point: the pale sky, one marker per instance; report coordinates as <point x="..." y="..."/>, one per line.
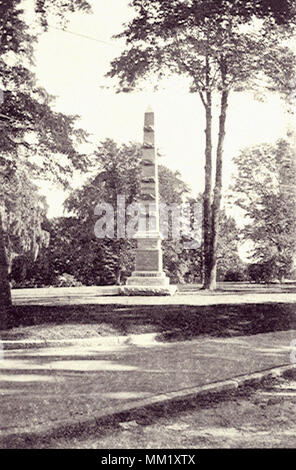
<point x="73" y="68"/>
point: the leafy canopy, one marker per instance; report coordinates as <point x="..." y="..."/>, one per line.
<point x="216" y="44"/>
<point x="264" y="187"/>
<point x="36" y="142"/>
<point x="73" y="248"/>
<point x="30" y="128"/>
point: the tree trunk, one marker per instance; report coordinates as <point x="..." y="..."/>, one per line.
<point x="207" y="197"/>
<point x="5" y="295"/>
<point x="208" y="180"/>
<point x="118" y="276"/>
<point x="215" y="209"/>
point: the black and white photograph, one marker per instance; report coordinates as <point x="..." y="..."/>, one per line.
<point x="147" y="229"/>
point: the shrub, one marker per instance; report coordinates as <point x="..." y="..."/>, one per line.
<point x="66" y="280"/>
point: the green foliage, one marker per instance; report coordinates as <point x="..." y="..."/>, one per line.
<point x="264" y="188"/>
<point x="221" y="47"/>
<point x="206" y="43"/>
<point x="31" y="128"/>
<point x="35" y="141"/>
<point x="176" y="12"/>
<point x="24" y="212"/>
<point x="263" y="272"/>
<point x="73" y="246"/>
<point x="119" y="175"/>
<point x="230" y="266"/>
<point x="67" y="280"/>
<point x="171" y="187"/>
<point x="33" y="137"/>
<point x="176" y="260"/>
<point x="74" y="249"/>
<point x="14" y="32"/>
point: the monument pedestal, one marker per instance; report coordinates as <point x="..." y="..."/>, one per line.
<point x="148" y="278"/>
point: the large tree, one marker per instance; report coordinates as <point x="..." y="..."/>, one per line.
<point x="34" y="139"/>
<point x="74" y="248"/>
<point x="264" y="188"/>
<point x="221" y="46"/>
<point x="119" y="171"/>
<point x="230" y="266"/>
<point x="24" y="212"/>
<point x="75" y="254"/>
<point x="111" y="260"/>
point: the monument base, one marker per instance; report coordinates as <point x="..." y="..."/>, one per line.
<point x="147" y="290"/>
<point x="148" y="283"/>
<point x="148" y="278"/>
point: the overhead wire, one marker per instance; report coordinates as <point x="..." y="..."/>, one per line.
<point x="85" y="36"/>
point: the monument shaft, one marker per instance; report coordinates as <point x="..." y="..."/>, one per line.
<point x="148" y="263"/>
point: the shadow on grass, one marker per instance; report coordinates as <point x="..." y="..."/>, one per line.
<point x="111" y="426"/>
<point x="240" y="288"/>
<point x="173" y="322"/>
<point x="163" y="414"/>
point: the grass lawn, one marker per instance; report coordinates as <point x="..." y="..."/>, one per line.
<point x="262" y="417"/>
<point x="250" y="418"/>
<point x="175" y="322"/>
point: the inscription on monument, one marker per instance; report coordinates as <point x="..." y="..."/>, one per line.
<point x="148" y="260"/>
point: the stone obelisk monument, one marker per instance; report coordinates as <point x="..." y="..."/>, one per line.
<point x="148" y="277"/>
